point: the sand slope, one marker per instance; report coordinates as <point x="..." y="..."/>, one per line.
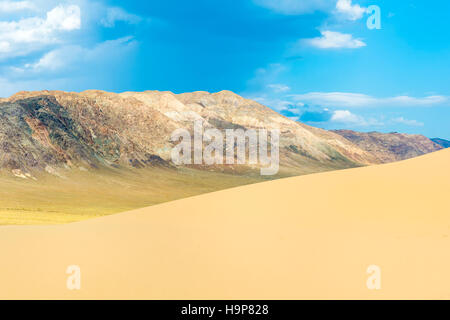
<point x="306" y="237"/>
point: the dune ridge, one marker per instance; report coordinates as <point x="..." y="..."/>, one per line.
<point x="308" y="237"/>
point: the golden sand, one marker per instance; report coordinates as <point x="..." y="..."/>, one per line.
<point x="298" y="238"/>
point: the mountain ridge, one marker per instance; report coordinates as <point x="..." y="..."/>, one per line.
<point x="57" y="130"/>
<point x="391" y="147"/>
<point x="48" y="130"/>
<point x="67" y="156"/>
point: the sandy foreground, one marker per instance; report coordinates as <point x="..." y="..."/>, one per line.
<point x="307" y="237"/>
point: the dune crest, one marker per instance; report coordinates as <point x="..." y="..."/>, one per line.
<point x="308" y="237"/>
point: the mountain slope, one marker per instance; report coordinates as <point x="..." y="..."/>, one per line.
<point x="53" y="130"/>
<point x="254" y="242"/>
<point x="228" y="110"/>
<point x="390" y="147"/>
<point x="69" y="130"/>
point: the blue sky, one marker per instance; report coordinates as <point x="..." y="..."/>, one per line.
<point x="314" y="61"/>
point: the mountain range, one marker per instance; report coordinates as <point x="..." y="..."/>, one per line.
<point x="391" y="147"/>
<point x="53" y="131"/>
<point x="70" y="156"/>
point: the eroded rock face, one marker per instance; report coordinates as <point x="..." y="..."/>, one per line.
<point x="51" y="129"/>
<point x="59" y="129"/>
<point x="390" y="147"/>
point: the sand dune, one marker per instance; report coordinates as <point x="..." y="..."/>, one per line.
<point x="305" y="237"/>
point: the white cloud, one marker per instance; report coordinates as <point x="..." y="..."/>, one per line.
<point x="335" y="40"/>
<point x="353" y="100"/>
<point x="64" y="18"/>
<point x="278" y="88"/>
<point x="5" y="46"/>
<point x="18" y="38"/>
<point x="14" y="6"/>
<point x="347" y="10"/>
<point x="116" y="14"/>
<point x="412" y="123"/>
<point x="346" y="117"/>
<point x="50" y="61"/>
<point x="294" y="7"/>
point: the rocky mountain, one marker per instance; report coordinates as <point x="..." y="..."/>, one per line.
<point x="46" y="131"/>
<point x="442" y="142"/>
<point x="67" y="156"/>
<point x="54" y="130"/>
<point x="390" y="147"/>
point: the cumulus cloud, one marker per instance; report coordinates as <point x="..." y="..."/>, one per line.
<point x="349" y="11"/>
<point x="347" y="118"/>
<point x="65" y="18"/>
<point x="51" y="44"/>
<point x="335" y="40"/>
<point x="354" y="100"/>
<point x="21" y="37"/>
<point x="53" y="26"/>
